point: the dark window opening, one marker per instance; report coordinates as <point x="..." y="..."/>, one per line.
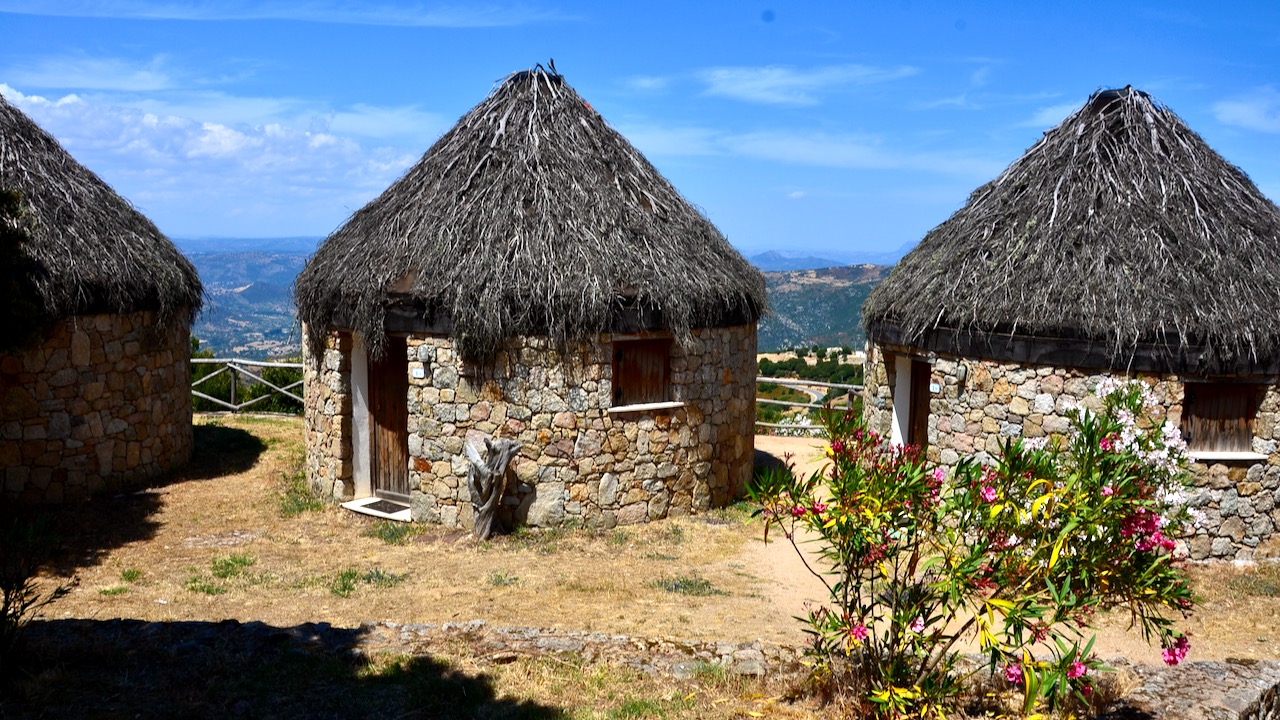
<point x="641" y="371"/>
<point x="1219" y="417"/>
<point x="918" y="425"/>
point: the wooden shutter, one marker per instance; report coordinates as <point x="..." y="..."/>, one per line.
<point x="641" y="371"/>
<point x="1219" y="417"/>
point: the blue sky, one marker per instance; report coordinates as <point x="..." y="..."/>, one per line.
<point x="836" y="128"/>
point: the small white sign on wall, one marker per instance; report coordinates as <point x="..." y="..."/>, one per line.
<point x="418" y="373"/>
<point x="935" y="387"/>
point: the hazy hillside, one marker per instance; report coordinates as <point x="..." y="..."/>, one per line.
<point x="249" y="309"/>
<point x="818" y="307"/>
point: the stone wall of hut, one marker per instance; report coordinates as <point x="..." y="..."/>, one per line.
<point x="103" y="402"/>
<point x="326" y="421"/>
<point x="995" y="401"/>
<point x="581" y="462"/>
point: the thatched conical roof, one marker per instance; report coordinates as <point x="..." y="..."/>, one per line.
<point x="85" y="249"/>
<point x="1120" y="240"/>
<point x="530" y="217"/>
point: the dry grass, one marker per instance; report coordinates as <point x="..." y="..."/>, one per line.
<point x="570" y="579"/>
<point x="218" y="544"/>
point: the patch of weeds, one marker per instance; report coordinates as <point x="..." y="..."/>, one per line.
<point x="231" y="565"/>
<point x="673" y="534"/>
<point x="131" y="575"/>
<point x="297" y="497"/>
<point x="741" y="512"/>
<point x="1262" y="582"/>
<point x="346" y="582"/>
<point x="378" y="577"/>
<point x="655" y="555"/>
<point x="394" y="532"/>
<point x="687" y="585"/>
<point x="618" y="536"/>
<point x="198" y="584"/>
<point x="637" y="708"/>
<point x="710" y="673"/>
<point x="544" y="541"/>
<point x="113" y="591"/>
<point x="501" y="578"/>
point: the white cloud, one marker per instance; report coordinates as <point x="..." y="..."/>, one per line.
<point x="1259" y="111"/>
<point x="786" y="86"/>
<point x="647" y="83"/>
<point x="1048" y="117"/>
<point x="677" y="142"/>
<point x="206" y="177"/>
<point x="849" y="151"/>
<point x="86" y="73"/>
<point x="796" y="194"/>
<point x="806" y="148"/>
<point x="346" y="12"/>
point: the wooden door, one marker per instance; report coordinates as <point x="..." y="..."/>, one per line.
<point x="918" y="428"/>
<point x="389" y="422"/>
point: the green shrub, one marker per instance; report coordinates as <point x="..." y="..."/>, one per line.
<point x="1017" y="556"/>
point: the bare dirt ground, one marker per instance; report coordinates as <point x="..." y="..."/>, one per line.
<point x="212" y="545"/>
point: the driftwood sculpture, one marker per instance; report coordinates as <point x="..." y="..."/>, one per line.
<point x="487" y="479"/>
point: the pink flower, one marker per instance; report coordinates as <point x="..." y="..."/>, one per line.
<point x="917" y="625"/>
<point x="1177" y="652"/>
<point x="1108" y="491"/>
<point x="1077" y="670"/>
<point x="1013" y="673"/>
<point x="858" y="632"/>
<point x="797" y="511"/>
<point x="1105" y="443"/>
<point x="818" y="508"/>
<point x="939" y="475"/>
<point x="988" y="493"/>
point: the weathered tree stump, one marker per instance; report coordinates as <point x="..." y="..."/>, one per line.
<point x="487" y="479"/>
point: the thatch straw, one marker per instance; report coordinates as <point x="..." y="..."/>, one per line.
<point x="1120" y="229"/>
<point x="530" y="217"/>
<point x="89" y="250"/>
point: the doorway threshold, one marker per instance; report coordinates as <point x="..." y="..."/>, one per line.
<point x="380" y="507"/>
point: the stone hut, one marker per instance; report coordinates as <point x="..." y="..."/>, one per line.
<point x="531" y="278"/>
<point x="97" y="306"/>
<point x="1121" y="245"/>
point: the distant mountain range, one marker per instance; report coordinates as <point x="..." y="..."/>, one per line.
<point x="781" y="261"/>
<point x="249" y="308"/>
<point x="817" y="307"/>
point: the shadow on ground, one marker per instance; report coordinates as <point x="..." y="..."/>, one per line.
<point x="86" y="531"/>
<point x="132" y="668"/>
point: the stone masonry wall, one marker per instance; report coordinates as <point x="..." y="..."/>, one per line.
<point x="326" y="422"/>
<point x="580" y="462"/>
<point x="1241" y="499"/>
<point x="103" y="403"/>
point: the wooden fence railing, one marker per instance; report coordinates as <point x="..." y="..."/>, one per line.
<point x="803" y="386"/>
<point x="251" y="369"/>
